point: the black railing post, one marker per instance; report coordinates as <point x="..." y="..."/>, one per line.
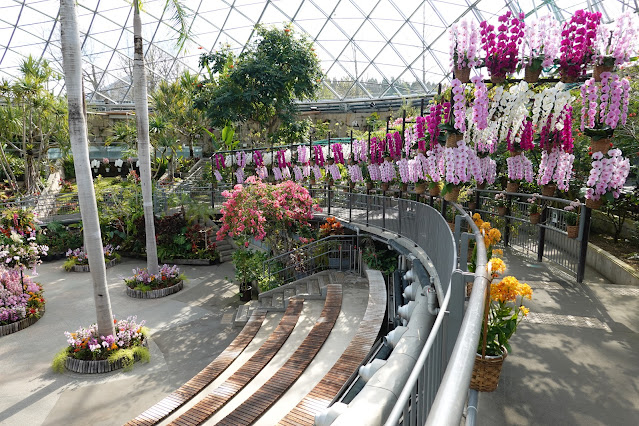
<point x="583" y="244"/>
<point x="542" y="234"/>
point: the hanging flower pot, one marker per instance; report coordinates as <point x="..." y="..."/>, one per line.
<point x="330" y="161"/>
<point x="434" y="190"/>
<point x="312" y="180"/>
<point x="594" y="204"/>
<point x="453" y="194"/>
<point x="532" y="75"/>
<point x="512" y="187"/>
<point x="548" y="190"/>
<point x="369" y="186"/>
<point x="567" y="78"/>
<point x="486" y="372"/>
<point x="385" y="186"/>
<point x="481" y="185"/>
<point x="601" y="145"/>
<point x="462" y="74"/>
<point x="452" y="139"/>
<point x="572" y="231"/>
<point x="421" y="151"/>
<point x="497" y="79"/>
<point x="596" y="73"/>
<point x="403" y="187"/>
<point x="420" y="188"/>
<point x="534" y="218"/>
<point x="472" y="205"/>
<point x="388" y="159"/>
<point x="501" y="211"/>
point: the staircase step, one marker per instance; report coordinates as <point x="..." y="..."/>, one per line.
<point x="242" y="315"/>
<point x="288" y="293"/>
<point x="313" y="287"/>
<point x="278" y="302"/>
<point x="301" y="288"/>
<point x="265" y="302"/>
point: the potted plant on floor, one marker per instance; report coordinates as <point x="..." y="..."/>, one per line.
<point x="88" y="352"/>
<point x="503" y="311"/>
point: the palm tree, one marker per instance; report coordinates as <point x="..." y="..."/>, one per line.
<point x="142" y="118"/>
<point x="72" y="64"/>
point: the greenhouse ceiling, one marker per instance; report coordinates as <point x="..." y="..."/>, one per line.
<point x="369" y="49"/>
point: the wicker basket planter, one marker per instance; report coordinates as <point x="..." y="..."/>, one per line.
<point x="452" y="195"/>
<point x="599" y="69"/>
<point x="452" y="139"/>
<point x="20" y="325"/>
<point x="369" y="186"/>
<point x="594" y="204"/>
<point x="420" y="188"/>
<point x="531" y="75"/>
<point x="95" y="367"/>
<point x="434" y="191"/>
<point x="548" y="190"/>
<point x="501" y="211"/>
<point x="572" y="231"/>
<point x="85" y="268"/>
<point x="385" y="186"/>
<point x="462" y="74"/>
<point x="486" y="372"/>
<point x="512" y="187"/>
<point x="534" y="218"/>
<point x="498" y="79"/>
<point x="154" y="294"/>
<point x="601" y="145"/>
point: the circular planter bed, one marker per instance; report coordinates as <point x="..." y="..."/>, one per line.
<point x="155" y="294"/>
<point x="20" y="325"/>
<point x="85" y="268"/>
<point x="192" y="261"/>
<point x="96" y="367"/>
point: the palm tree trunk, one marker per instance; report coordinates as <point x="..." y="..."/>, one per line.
<point x="72" y="64"/>
<point x="142" y="119"/>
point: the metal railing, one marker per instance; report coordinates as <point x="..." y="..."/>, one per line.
<point x="333" y="252"/>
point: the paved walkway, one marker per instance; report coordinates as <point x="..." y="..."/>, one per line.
<point x="575" y="361"/>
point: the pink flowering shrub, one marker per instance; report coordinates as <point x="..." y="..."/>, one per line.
<point x="265" y="212"/>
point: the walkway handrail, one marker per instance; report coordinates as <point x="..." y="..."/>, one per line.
<point x="451" y="397"/>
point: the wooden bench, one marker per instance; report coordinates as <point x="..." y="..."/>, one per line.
<point x="179" y="397"/>
<point x="327" y="389"/>
<point x="258" y="403"/>
<point x="247" y="372"/>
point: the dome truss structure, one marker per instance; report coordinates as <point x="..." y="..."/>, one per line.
<point x="368" y="49"/>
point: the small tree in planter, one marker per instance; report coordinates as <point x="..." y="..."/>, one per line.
<point x="120" y="349"/>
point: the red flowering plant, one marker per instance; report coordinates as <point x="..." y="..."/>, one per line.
<point x="266" y="212"/>
<point x="578" y="43"/>
<point x="502" y="47"/>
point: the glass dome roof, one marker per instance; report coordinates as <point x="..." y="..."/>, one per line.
<point x="368" y="49"/>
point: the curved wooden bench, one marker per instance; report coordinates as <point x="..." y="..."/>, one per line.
<point x="258" y="403"/>
<point x="327" y="389"/>
<point x="247" y="372"/>
<point x="179" y="397"/>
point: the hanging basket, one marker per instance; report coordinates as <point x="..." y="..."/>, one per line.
<point x="452" y="195"/>
<point x="497" y="79"/>
<point x="601" y="145"/>
<point x="369" y="185"/>
<point x="420" y="188"/>
<point x="481" y="185"/>
<point x="548" y="190"/>
<point x="462" y="74"/>
<point x="472" y="205"/>
<point x="403" y="187"/>
<point x="594" y="204"/>
<point x="452" y="139"/>
<point x="572" y="231"/>
<point x="512" y="187"/>
<point x="434" y="191"/>
<point x="565" y="78"/>
<point x="534" y="218"/>
<point x="486" y="372"/>
<point x="531" y="75"/>
<point x="385" y="186"/>
<point x="599" y="69"/>
<point x="501" y="211"/>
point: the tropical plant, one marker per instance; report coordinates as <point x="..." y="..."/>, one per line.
<point x="72" y="65"/>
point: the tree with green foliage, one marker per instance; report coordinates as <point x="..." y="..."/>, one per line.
<point x="261" y="84"/>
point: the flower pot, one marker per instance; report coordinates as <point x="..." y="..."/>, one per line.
<point x="452" y="139"/>
<point x="312" y="181"/>
<point x="548" y="190"/>
<point x="388" y="159"/>
<point x="369" y="186"/>
<point x="472" y="205"/>
<point x="246" y="292"/>
<point x="594" y="204"/>
<point x="434" y="191"/>
<point x="420" y="188"/>
<point x="601" y="145"/>
<point x="534" y="218"/>
<point x="497" y="79"/>
<point x="501" y="211"/>
<point x="481" y="185"/>
<point x="403" y="187"/>
<point x="330" y="161"/>
<point x="596" y="73"/>
<point x="486" y="372"/>
<point x="452" y="195"/>
<point x="573" y="231"/>
<point x="421" y="151"/>
<point x="531" y="75"/>
<point x="106" y="169"/>
<point x="565" y="78"/>
<point x="462" y="74"/>
<point x="512" y="187"/>
<point x="385" y="186"/>
<point x="119" y="169"/>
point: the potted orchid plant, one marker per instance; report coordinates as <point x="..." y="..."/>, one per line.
<point x="502" y="47"/>
<point x="577" y="46"/>
<point x="615" y="45"/>
<point x="572" y="219"/>
<point x="464" y="52"/>
<point x="540" y="47"/>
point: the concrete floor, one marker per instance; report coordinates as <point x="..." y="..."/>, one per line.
<point x="575" y="361"/>
<point x="188" y="330"/>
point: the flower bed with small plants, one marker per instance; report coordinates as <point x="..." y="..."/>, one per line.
<point x="143" y="285"/>
<point x="21" y="301"/>
<point x="88" y="352"/>
<point x="78" y="259"/>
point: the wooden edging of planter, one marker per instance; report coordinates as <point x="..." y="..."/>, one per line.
<point x="154" y="294"/>
<point x="187" y="261"/>
<point x="19" y="325"/>
<point x="95" y="367"/>
<point x="85" y="268"/>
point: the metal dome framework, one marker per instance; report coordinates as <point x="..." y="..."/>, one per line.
<point x="368" y="49"/>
